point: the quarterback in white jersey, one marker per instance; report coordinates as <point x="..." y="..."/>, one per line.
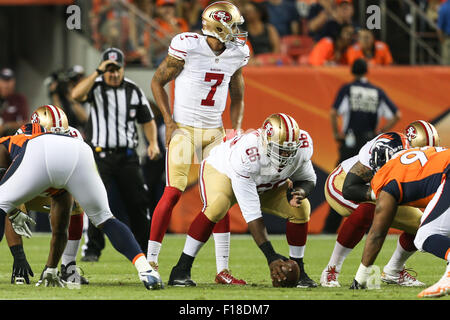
<point x="205" y="67"/>
<point x="267" y="170"/>
<point x="348" y="192"/>
<point x="201" y="88"/>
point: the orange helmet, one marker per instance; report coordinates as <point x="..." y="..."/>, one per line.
<point x="281" y="138"/>
<point x="421" y="133"/>
<point x="52" y="118"/>
<point x="221" y="20"/>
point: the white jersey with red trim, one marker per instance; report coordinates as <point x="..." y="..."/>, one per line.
<point x="363" y="156"/>
<point x="201" y="89"/>
<point x="244" y="160"/>
<point x="75" y="133"/>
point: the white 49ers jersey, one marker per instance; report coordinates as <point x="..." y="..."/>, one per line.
<point x="243" y="159"/>
<point x="363" y="156"/>
<point x="75" y="133"/>
<point x="201" y="89"/>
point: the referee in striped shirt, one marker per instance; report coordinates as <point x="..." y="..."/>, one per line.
<point x="116" y="104"/>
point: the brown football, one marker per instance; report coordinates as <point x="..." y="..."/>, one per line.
<point x="292" y="276"/>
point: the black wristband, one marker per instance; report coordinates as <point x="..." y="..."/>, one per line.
<point x="17" y="251"/>
<point x="269" y="252"/>
<point x="100" y="72"/>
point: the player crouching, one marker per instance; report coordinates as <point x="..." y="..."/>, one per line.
<point x="254" y="171"/>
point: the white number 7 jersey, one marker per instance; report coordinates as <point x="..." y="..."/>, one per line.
<point x="201" y="89"/>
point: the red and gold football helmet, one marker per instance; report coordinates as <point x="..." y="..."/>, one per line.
<point x="281" y="138"/>
<point x="221" y="20"/>
<point x="52" y="118"/>
<point x="421" y="133"/>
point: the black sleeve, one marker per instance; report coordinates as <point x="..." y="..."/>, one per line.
<point x="144" y="111"/>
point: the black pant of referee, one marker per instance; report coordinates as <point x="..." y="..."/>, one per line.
<point x="120" y="168"/>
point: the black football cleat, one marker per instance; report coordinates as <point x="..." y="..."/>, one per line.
<point x="305" y="281"/>
<point x="181" y="278"/>
<point x="71" y="273"/>
<point x="356" y="285"/>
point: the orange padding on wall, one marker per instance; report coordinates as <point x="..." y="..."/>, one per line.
<point x="307" y="94"/>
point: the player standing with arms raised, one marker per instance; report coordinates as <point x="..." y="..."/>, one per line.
<point x="205" y="68"/>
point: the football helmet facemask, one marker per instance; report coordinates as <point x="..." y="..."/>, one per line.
<point x="52" y="118"/>
<point x="385" y="147"/>
<point x="421" y="134"/>
<point x="221" y="20"/>
<point x="281" y="139"/>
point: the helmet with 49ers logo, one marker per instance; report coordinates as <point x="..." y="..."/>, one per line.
<point x="421" y="133"/>
<point x="281" y="138"/>
<point x="221" y="20"/>
<point x="52" y="118"/>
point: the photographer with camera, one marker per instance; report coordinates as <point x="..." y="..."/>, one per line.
<point x="61" y="84"/>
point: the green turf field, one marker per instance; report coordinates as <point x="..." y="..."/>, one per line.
<point x="114" y="277"/>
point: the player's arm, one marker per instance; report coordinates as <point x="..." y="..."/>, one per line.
<point x="21" y="268"/>
<point x="167" y="71"/>
<point x="355" y="186"/>
<point x="384" y="215"/>
<point x="236" y="88"/>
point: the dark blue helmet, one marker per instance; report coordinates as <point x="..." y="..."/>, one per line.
<point x="384" y="148"/>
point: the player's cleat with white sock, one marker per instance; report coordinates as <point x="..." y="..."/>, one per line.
<point x="225" y="277"/>
<point x="401" y="278"/>
<point x="329" y="277"/>
<point x="151" y="279"/>
<point x="439" y="289"/>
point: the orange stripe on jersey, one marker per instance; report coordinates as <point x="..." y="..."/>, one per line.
<point x="413" y="176"/>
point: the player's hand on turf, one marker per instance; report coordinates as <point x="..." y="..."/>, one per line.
<point x="276" y="272"/>
<point x="19" y="222"/>
<point x="50" y="278"/>
<point x="21" y="271"/>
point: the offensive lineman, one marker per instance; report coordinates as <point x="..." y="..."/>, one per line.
<point x="205" y="68"/>
<point x="268" y="170"/>
<point x="41" y="162"/>
<point x="348" y="192"/>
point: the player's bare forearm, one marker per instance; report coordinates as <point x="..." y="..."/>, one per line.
<point x="384" y="215"/>
<point x="236" y="88"/>
<point x="167" y="71"/>
<point x="355" y="186"/>
<point x="61" y="207"/>
<point x="12" y="238"/>
<point x="258" y="231"/>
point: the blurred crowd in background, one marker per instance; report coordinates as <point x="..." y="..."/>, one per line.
<point x="282" y="32"/>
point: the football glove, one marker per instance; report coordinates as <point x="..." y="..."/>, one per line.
<point x="21" y="269"/>
<point x="50" y="277"/>
<point x="19" y="223"/>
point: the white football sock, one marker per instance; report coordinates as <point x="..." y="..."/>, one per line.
<point x="296" y="251"/>
<point x="141" y="264"/>
<point x="153" y="250"/>
<point x="222" y="246"/>
<point x="70" y="252"/>
<point x="192" y="246"/>
<point x="398" y="259"/>
<point x="338" y="256"/>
